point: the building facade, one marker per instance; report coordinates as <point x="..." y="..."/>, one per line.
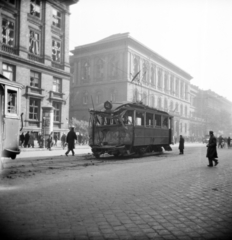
<point x="119" y="68"/>
<point x="34" y="50"/>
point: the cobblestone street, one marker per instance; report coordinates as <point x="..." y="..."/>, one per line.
<point x="154" y="197"/>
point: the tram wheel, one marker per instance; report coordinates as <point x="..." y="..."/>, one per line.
<point x="96" y="155"/>
<point x="13" y="156"/>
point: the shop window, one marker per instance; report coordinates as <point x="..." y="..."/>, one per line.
<point x="11" y="101"/>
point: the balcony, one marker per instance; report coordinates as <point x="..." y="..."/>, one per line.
<point x="56" y="96"/>
<point x="58" y="65"/>
<point x="34" y="92"/>
<point x="9" y="49"/>
<point x="35" y="58"/>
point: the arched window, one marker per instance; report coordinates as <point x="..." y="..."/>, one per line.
<point x="152" y="76"/>
<point x="181" y="109"/>
<point x="165" y="103"/>
<point x="85" y="71"/>
<point x="160" y="79"/>
<point x="171" y="106"/>
<point x="113" y="68"/>
<point x="99" y="68"/>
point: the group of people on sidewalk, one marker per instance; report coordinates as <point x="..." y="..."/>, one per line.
<point x="27" y="140"/>
<point x="211" y="149"/>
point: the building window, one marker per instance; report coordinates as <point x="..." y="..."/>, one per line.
<point x="57" y="85"/>
<point x="35" y="79"/>
<point x="35" y="8"/>
<point x="186" y="92"/>
<point x="113" y="68"/>
<point x="56" y="51"/>
<point x="11" y="101"/>
<point x="171" y="106"/>
<point x="185" y="127"/>
<point x="177" y="87"/>
<point x="186" y="111"/>
<point x="86" y="71"/>
<point x="34" y="109"/>
<point x="8" y="71"/>
<point x="165" y="103"/>
<point x="159" y="79"/>
<point x="181" y="109"/>
<point x="56" y="18"/>
<point x="171" y="85"/>
<point x="113" y="96"/>
<point x="166" y="82"/>
<point x="152" y="76"/>
<point x="144" y="79"/>
<point x="85" y="98"/>
<point x="8" y="32"/>
<point x="57" y="111"/>
<point x="159" y="102"/>
<point x="177" y="107"/>
<point x="34" y="42"/>
<point x="99" y="68"/>
<point x="136" y="66"/>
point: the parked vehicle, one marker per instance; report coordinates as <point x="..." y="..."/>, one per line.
<point x="128" y="128"/>
<point x="10" y="120"/>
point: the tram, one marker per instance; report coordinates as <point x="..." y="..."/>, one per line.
<point x="10" y="119"/>
<point x="127" y="128"/>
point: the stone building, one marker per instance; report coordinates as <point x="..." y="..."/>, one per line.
<point x="34" y="50"/>
<point x="119" y="68"/>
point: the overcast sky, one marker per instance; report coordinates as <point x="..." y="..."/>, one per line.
<point x="195" y="35"/>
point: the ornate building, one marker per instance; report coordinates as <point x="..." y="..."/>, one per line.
<point x="34" y="50"/>
<point x="119" y="68"/>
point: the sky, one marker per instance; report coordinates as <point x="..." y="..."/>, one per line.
<point x="195" y="35"/>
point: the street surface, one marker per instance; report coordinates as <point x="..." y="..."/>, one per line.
<point x="167" y="196"/>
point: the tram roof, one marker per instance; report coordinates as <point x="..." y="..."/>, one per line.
<point x="117" y="105"/>
<point x="6" y="81"/>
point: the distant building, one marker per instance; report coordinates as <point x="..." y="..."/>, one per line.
<point x="119" y="68"/>
<point x="35" y="52"/>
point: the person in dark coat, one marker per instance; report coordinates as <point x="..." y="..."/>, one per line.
<point x="71" y="137"/>
<point x="212" y="150"/>
<point x="31" y="140"/>
<point x="228" y="141"/>
<point x="26" y="141"/>
<point x="21" y="139"/>
<point x="181" y="145"/>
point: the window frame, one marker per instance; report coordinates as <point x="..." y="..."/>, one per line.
<point x="38" y="41"/>
<point x="11" y="20"/>
<point x="39" y="79"/>
<point x="13" y="115"/>
<point x="58" y="53"/>
<point x="40" y="8"/>
<point x="38" y="108"/>
<point x="56" y="110"/>
<point x="13" y="71"/>
<point x="55" y="79"/>
<point x="56" y="17"/>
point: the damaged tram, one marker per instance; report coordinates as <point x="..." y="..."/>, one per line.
<point x="123" y="129"/>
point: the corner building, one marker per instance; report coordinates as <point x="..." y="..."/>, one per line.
<point x="119" y="68"/>
<point x="34" y="50"/>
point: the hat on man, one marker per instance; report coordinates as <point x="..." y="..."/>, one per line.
<point x="210" y="132"/>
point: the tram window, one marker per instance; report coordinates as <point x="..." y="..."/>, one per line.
<point x="149" y="119"/>
<point x="158" y="120"/>
<point x="128" y="117"/>
<point x="140" y="118"/>
<point x="165" y="122"/>
<point x="11" y="101"/>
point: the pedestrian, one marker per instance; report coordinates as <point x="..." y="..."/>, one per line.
<point x="79" y="138"/>
<point x="220" y="139"/>
<point x="27" y="137"/>
<point x="55" y="139"/>
<point x="71" y="137"/>
<point x="63" y="140"/>
<point x="21" y="139"/>
<point x="31" y="140"/>
<point x="181" y="145"/>
<point x="49" y="140"/>
<point x="228" y="141"/>
<point x="212" y="150"/>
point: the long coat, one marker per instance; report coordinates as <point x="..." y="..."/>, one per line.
<point x="181" y="143"/>
<point x="212" y="148"/>
<point x="71" y="137"/>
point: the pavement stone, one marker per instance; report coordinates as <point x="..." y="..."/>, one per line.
<point x="155" y="197"/>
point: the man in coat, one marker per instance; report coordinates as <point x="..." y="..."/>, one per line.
<point x="181" y="145"/>
<point x="212" y="150"/>
<point x="71" y="137"/>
